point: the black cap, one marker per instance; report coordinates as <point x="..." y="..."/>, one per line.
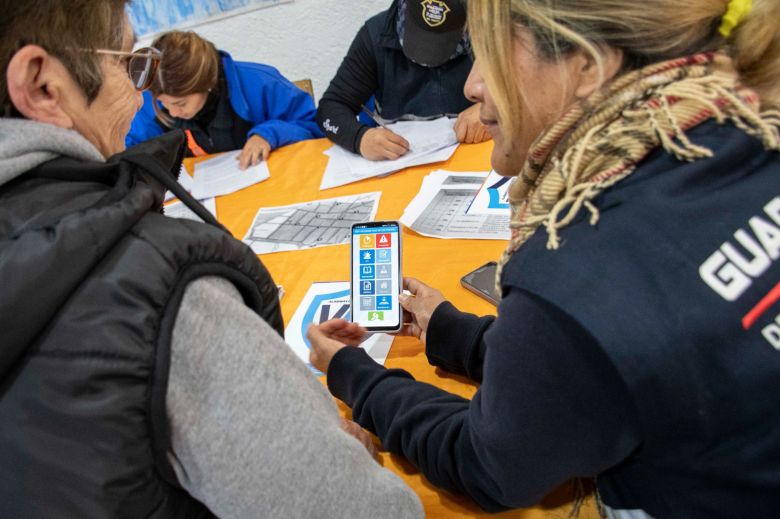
<point x="432" y="30"/>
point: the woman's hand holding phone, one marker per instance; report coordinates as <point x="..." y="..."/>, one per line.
<point x="419" y="307"/>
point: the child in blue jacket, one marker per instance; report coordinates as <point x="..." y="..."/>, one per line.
<point x="221" y="104"/>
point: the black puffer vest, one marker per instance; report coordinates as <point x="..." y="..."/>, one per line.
<point x="92" y="275"/>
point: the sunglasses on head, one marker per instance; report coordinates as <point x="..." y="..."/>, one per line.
<point x="141" y="64"/>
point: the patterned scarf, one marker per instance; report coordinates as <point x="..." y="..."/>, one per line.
<point x="600" y="141"/>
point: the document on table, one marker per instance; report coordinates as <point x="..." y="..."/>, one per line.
<point x="429" y="141"/>
<point x="221" y="176"/>
<point x="439" y="209"/>
<point x="179" y="210"/>
<point x="310" y="224"/>
<point x="493" y="196"/>
<point x="322" y="302"/>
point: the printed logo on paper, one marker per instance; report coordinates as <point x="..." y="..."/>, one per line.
<point x="434" y="12"/>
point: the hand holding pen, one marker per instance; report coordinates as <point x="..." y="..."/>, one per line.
<point x="380" y="143"/>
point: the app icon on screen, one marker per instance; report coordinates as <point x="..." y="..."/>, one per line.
<point x="383" y="256"/>
<point x="367" y="241"/>
<point x="383" y="241"/>
<point x="366" y="287"/>
<point x="383" y="302"/>
<point x="384" y="271"/>
<point x="366" y="272"/>
<point x="366" y="256"/>
<point x="383" y="286"/>
<point x="367" y="302"/>
<point x="376" y="316"/>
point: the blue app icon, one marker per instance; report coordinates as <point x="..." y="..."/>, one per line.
<point x="366" y="256"/>
<point x="383" y="256"/>
<point x="366" y="287"/>
<point x="366" y="272"/>
<point x="383" y="302"/>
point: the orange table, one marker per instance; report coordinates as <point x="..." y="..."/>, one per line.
<point x="296" y="172"/>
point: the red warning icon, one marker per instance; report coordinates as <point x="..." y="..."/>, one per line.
<point x="382" y="241"/>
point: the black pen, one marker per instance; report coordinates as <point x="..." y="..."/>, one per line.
<point x="374" y="117"/>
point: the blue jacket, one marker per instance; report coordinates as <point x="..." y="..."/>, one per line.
<point x="281" y="113"/>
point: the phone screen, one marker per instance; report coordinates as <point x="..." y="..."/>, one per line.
<point x="376" y="275"/>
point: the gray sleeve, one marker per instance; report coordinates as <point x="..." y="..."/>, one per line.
<point x="253" y="432"/>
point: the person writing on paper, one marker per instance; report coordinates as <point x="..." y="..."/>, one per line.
<point x="142" y="368"/>
<point x="221" y="104"/>
<point x="636" y="340"/>
<point x="412" y="60"/>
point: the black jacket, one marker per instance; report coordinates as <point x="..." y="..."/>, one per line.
<point x="92" y="277"/>
<point x="375" y="65"/>
<point x="643" y="351"/>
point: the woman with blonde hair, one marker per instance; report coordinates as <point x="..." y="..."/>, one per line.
<point x="222" y="104"/>
<point x="636" y="340"/>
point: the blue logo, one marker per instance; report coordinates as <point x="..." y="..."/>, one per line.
<point x="495" y="196"/>
<point x="366" y="256"/>
<point x="383" y="256"/>
<point x="366" y="272"/>
<point x="384" y="302"/>
<point x="367" y="288"/>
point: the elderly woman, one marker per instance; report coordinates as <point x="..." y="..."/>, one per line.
<point x="637" y="340"/>
<point x="142" y="368"/>
<point x="221" y="104"/>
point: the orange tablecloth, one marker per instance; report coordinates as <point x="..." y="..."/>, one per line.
<point x="296" y="172"/>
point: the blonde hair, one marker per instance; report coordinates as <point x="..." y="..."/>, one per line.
<point x="646" y="31"/>
<point x="189" y="65"/>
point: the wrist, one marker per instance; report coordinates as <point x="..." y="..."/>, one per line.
<point x="359" y="139"/>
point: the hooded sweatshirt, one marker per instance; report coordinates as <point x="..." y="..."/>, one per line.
<point x="253" y="433"/>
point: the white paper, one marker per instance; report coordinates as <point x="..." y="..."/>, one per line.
<point x="179" y="210"/>
<point x="311" y="224"/>
<point x="221" y="176"/>
<point x="184" y="179"/>
<point x="322" y="302"/>
<point x="429" y="141"/>
<point x="493" y="196"/>
<point x="439" y="209"/>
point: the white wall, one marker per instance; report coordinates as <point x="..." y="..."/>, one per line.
<point x="303" y="39"/>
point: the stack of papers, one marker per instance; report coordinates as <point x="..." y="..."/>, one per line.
<point x="429" y="141"/>
<point x="322" y="302"/>
<point x="310" y="224"/>
<point x="439" y="209"/>
<point x="221" y="176"/>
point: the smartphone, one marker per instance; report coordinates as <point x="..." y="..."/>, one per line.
<point x="482" y="281"/>
<point x="376" y="276"/>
